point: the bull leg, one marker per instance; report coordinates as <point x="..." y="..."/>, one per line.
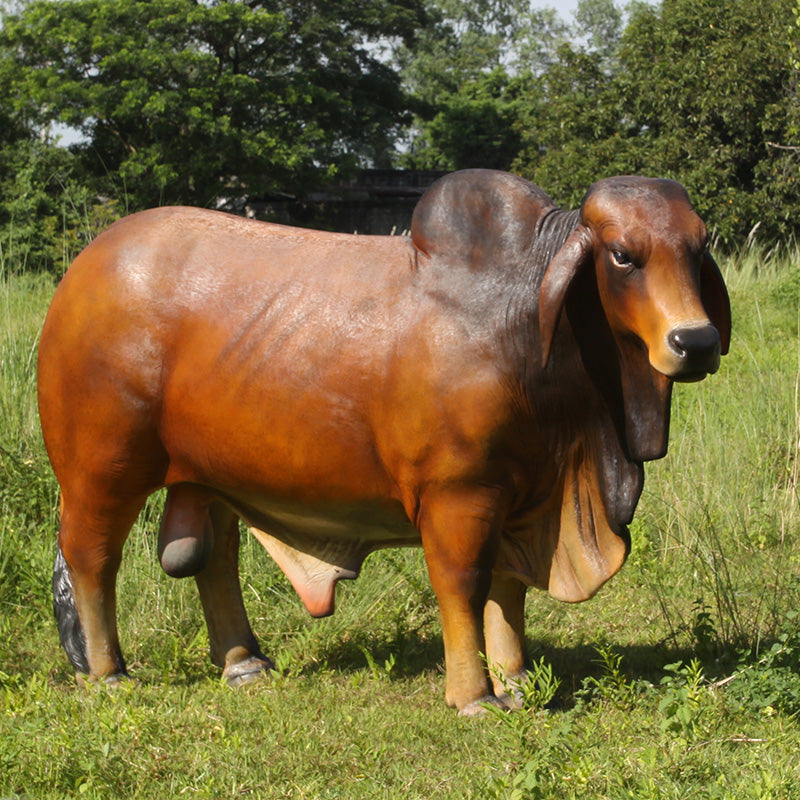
<point x="458" y="536"/>
<point x="233" y="645"/>
<point x="504" y="626"/>
<point x="91" y="541"/>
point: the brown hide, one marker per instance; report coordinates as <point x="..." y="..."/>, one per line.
<point x="488" y="387"/>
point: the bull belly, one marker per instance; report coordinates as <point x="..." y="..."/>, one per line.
<point x="384" y="524"/>
<point x="317" y="545"/>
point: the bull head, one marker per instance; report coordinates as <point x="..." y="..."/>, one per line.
<point x="661" y="292"/>
<point x="656" y="279"/>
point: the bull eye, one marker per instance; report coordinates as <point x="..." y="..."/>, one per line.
<point x="621" y="259"/>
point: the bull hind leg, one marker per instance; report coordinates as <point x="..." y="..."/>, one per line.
<point x="91" y="537"/>
<point x="70" y="631"/>
<point x="233" y="645"/>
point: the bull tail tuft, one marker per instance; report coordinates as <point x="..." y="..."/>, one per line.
<point x="69" y="626"/>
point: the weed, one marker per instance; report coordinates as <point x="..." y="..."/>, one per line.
<point x="379" y="672"/>
<point x="768" y="681"/>
<point x="683" y="703"/>
<point x="612" y="686"/>
<point x="544" y="754"/>
<point x="704" y="633"/>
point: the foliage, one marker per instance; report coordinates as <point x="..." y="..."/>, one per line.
<point x="36" y="186"/>
<point x="651" y="749"/>
<point x="708" y="94"/>
<point x="472" y="127"/>
<point x="613" y="686"/>
<point x="49" y="213"/>
<point x="180" y="101"/>
<point x="682" y="704"/>
<point x="699" y="91"/>
<point x="461" y="72"/>
<point x="767" y="680"/>
<point x="463" y="41"/>
<point x="535" y="689"/>
<point x="207" y="103"/>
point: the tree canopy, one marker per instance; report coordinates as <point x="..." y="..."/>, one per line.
<point x="181" y="101"/>
<point x="697" y="90"/>
<point x="199" y="101"/>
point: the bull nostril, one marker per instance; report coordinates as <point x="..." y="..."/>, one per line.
<point x="695" y="341"/>
<point x="698" y="348"/>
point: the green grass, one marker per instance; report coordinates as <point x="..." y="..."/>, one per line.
<point x="681" y="679"/>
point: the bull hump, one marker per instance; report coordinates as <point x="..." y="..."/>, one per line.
<point x="478" y="218"/>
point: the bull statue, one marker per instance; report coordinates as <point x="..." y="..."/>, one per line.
<point x="488" y="387"/>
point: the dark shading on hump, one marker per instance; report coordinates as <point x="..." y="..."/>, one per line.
<point x="478" y="217"/>
<point x="69" y="626"/>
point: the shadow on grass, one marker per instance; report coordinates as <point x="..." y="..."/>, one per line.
<point x="412" y="654"/>
<point x="571" y="665"/>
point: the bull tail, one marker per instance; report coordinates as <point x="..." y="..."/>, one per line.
<point x="69" y="626"/>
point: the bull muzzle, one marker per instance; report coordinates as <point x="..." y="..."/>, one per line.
<point x="697" y="352"/>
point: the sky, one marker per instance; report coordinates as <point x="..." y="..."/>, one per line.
<point x="564" y="7"/>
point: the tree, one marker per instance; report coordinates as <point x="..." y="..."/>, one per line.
<point x="38" y="195"/>
<point x="461" y="74"/>
<point x="707" y="93"/>
<point x="569" y="125"/>
<point x="472" y="127"/>
<point x="464" y="40"/>
<point x="480" y="74"/>
<point x="696" y="92"/>
<point x="189" y="101"/>
<point x="196" y="101"/>
<point x="777" y="177"/>
<point x="600" y="22"/>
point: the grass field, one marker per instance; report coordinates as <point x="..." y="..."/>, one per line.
<point x="681" y="679"/>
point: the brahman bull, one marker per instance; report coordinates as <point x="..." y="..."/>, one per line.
<point x="487" y="387"/>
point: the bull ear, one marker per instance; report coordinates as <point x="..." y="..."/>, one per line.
<point x="557" y="278"/>
<point x="715" y="300"/>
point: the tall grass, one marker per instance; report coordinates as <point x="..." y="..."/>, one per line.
<point x="726" y="496"/>
<point x="679" y="679"/>
<point x="27" y="490"/>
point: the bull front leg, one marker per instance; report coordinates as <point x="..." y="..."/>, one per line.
<point x="504" y="626"/>
<point x="459" y="536"/>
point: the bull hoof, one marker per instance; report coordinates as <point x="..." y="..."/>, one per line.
<point x="478" y="707"/>
<point x="246" y="671"/>
<point x="112" y="681"/>
<point x="511" y="694"/>
<point x="512" y="701"/>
